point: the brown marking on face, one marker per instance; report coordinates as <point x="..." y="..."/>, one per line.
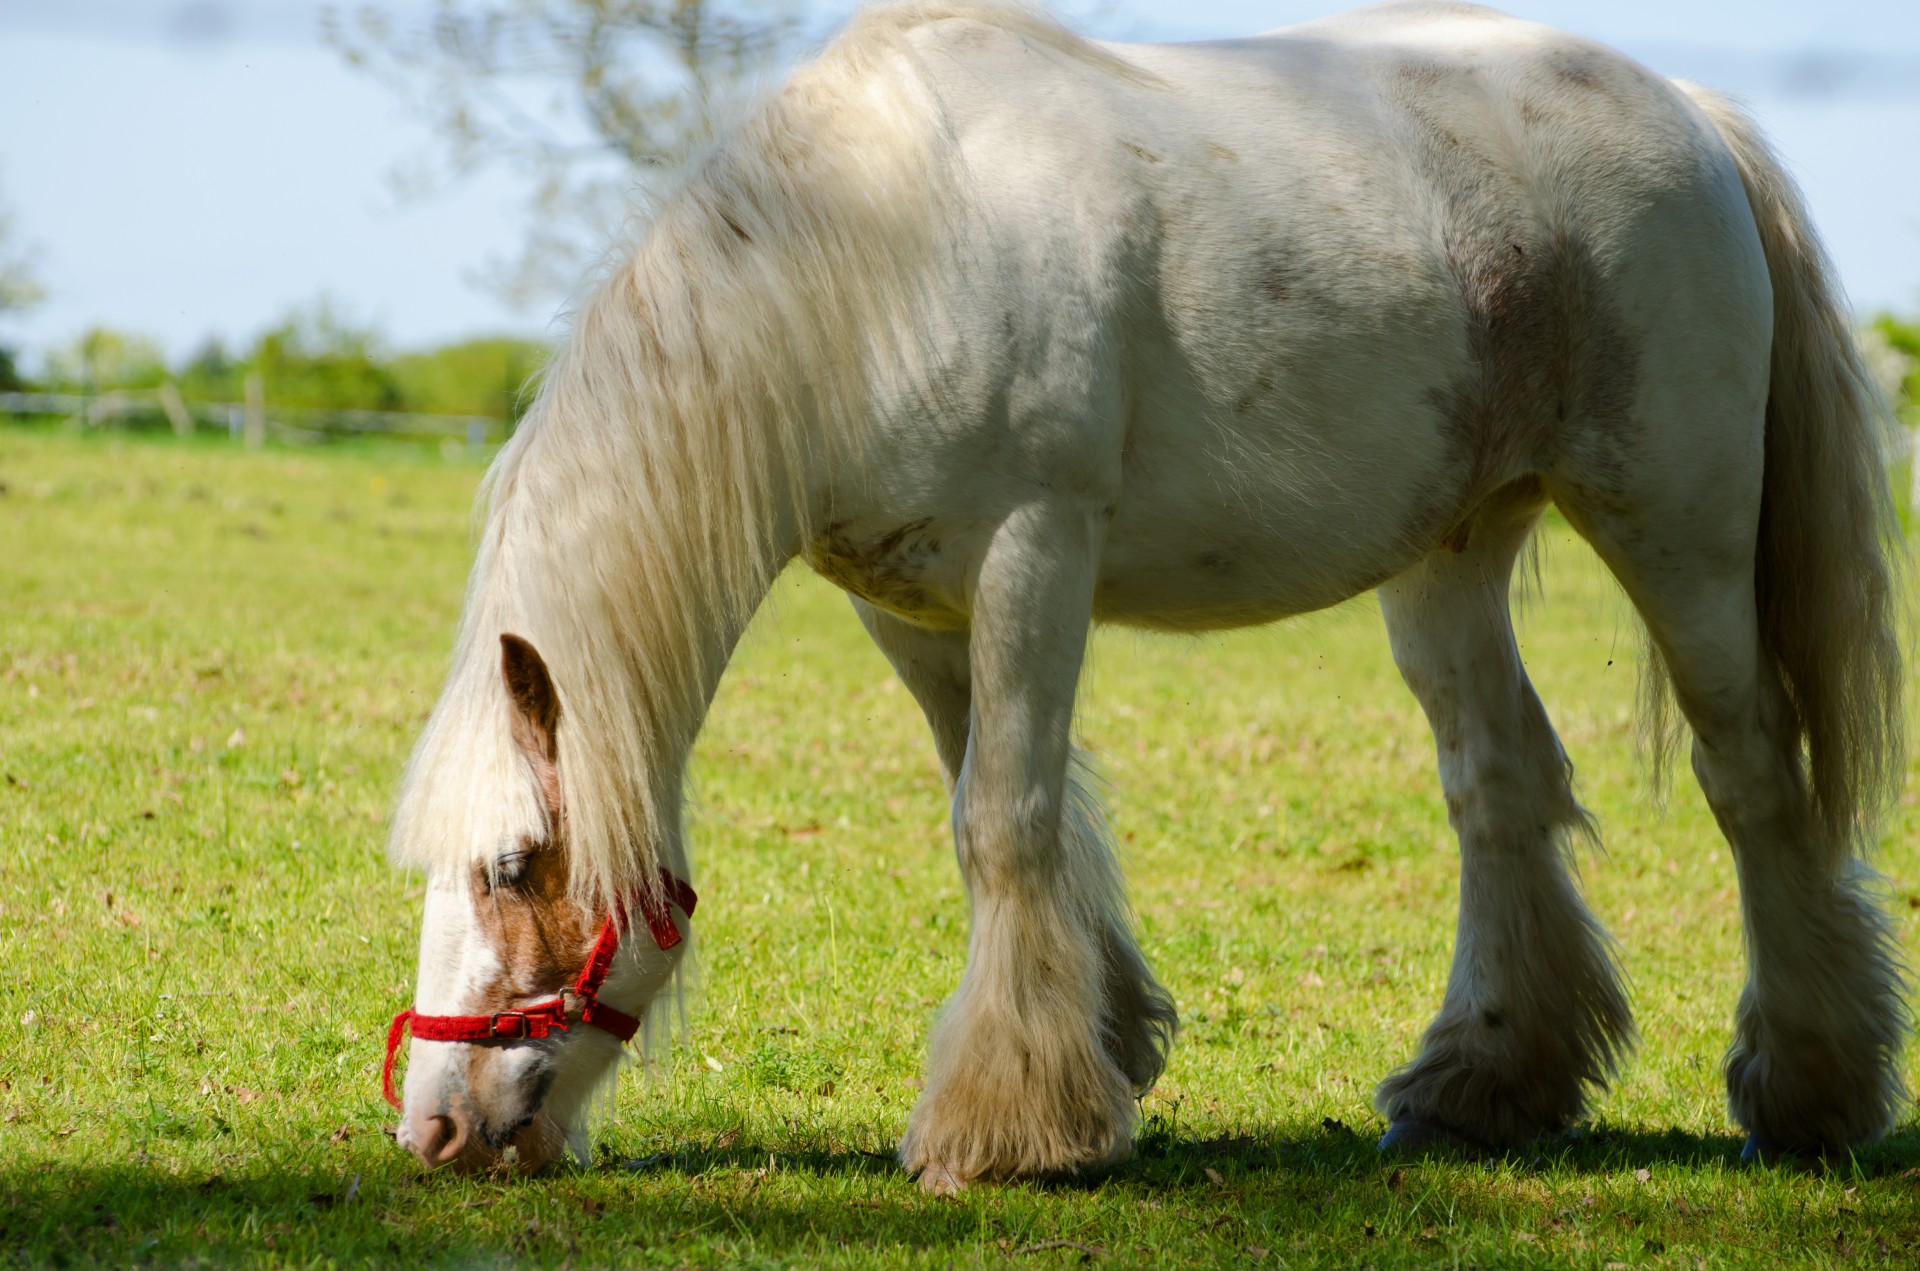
<point x="540" y="934"/>
<point x="1142" y="152"/>
<point x="540" y="938"/>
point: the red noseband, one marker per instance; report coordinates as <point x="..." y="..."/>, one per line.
<point x="581" y="1003"/>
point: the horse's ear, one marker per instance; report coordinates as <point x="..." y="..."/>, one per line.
<point x="536" y="707"/>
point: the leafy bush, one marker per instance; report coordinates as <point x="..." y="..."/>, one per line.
<point x="1893" y="350"/>
<point x="313" y="357"/>
<point x="103" y="359"/>
<point x="490" y="376"/>
<point x="212" y="373"/>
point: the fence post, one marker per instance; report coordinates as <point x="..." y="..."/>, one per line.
<point x="1913" y="498"/>
<point x="476" y="435"/>
<point x="256" y="411"/>
<point x="176" y="408"/>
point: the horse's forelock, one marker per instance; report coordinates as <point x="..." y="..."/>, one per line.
<point x="468" y="788"/>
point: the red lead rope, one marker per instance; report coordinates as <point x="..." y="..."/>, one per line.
<point x="543" y="1017"/>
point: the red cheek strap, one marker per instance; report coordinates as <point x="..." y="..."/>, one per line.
<point x="582" y="1002"/>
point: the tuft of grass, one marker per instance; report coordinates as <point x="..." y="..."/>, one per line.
<point x="212" y="664"/>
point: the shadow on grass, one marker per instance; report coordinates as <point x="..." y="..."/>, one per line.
<point x="727" y="1200"/>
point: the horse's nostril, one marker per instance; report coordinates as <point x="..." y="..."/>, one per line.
<point x="444" y="1140"/>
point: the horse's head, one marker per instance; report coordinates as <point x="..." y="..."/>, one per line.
<point x="513" y="1026"/>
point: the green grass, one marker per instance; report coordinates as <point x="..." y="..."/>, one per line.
<point x="212" y="665"/>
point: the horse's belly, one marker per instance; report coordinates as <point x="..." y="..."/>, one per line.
<point x="1229" y="518"/>
<point x="1166" y="573"/>
<point x="1234" y="571"/>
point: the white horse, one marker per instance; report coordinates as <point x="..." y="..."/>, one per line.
<point x="1006" y="332"/>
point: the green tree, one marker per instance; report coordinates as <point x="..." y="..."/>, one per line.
<point x="20" y="286"/>
<point x="317" y="357"/>
<point x="585" y="99"/>
<point x="104" y="359"/>
<point x="211" y="373"/>
<point x="20" y="289"/>
<point x="1893" y="347"/>
<point x="487" y="376"/>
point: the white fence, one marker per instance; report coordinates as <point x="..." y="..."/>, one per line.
<point x="252" y="421"/>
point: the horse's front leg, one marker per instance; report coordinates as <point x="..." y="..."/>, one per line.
<point x="1057" y="1023"/>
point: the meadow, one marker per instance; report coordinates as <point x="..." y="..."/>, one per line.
<point x="212" y="664"/>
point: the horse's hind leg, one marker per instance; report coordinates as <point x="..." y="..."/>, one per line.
<point x="1814" y="1064"/>
<point x="1533" y="1014"/>
<point x="1058" y="1023"/>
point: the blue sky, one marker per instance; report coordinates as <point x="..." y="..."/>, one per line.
<point x="195" y="167"/>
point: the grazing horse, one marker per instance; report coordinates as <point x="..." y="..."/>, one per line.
<point x="1007" y="332"/>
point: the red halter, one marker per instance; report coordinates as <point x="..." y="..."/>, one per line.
<point x="582" y="1002"/>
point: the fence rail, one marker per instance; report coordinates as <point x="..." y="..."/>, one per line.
<point x="253" y="420"/>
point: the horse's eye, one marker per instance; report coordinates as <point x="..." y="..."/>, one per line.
<point x="507" y="869"/>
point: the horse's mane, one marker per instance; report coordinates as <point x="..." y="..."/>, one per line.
<point x="657" y="483"/>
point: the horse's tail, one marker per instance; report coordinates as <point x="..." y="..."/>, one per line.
<point x="1826" y="577"/>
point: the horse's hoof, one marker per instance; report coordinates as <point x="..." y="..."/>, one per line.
<point x="1759" y="1151"/>
<point x="1411" y="1138"/>
<point x="938" y="1180"/>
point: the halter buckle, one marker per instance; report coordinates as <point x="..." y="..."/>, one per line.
<point x="534" y="1023"/>
<point x="517" y="1024"/>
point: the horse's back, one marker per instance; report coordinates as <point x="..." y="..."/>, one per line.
<point x="1332" y="285"/>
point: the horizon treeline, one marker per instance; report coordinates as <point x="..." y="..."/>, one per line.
<point x="312" y="358"/>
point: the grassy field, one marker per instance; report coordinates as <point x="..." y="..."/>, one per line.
<point x="211" y="667"/>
